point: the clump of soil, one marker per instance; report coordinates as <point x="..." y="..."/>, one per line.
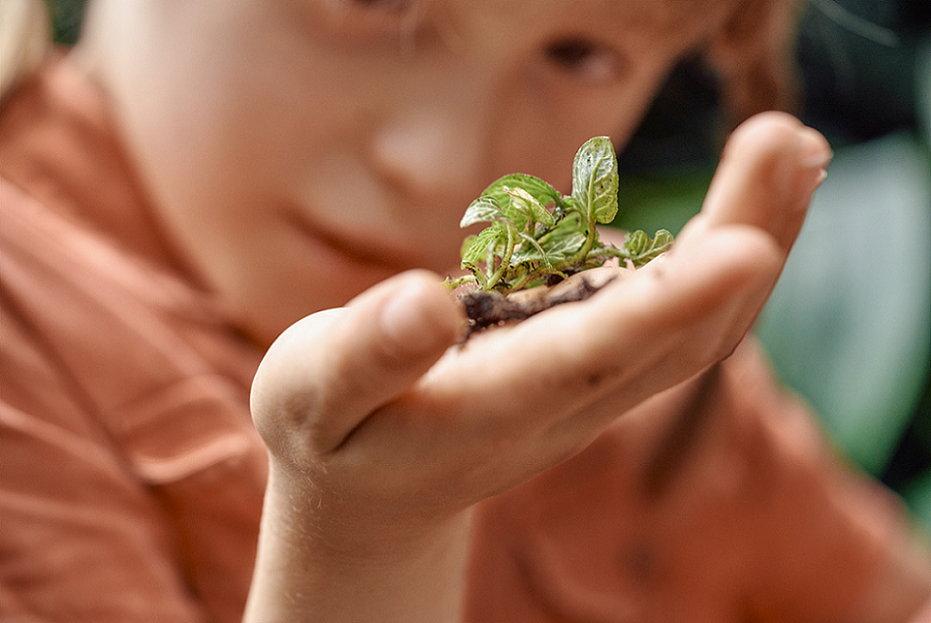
<point x="486" y="309"/>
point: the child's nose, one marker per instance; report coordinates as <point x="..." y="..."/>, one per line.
<point x="433" y="154"/>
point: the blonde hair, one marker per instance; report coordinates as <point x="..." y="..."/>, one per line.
<point x="25" y="38"/>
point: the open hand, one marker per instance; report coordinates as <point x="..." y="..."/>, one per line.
<point x="381" y="428"/>
<point x="378" y="394"/>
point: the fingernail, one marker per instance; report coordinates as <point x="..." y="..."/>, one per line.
<point x="808" y="181"/>
<point x="818" y="180"/>
<point x="410" y="327"/>
<point x="815" y="155"/>
<point x="814" y="150"/>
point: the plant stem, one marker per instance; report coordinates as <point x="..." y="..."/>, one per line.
<point x="505" y="258"/>
<point x="590" y="237"/>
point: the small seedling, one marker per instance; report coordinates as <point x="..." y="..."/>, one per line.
<point x="538" y="236"/>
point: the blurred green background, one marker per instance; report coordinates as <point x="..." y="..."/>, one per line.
<point x="849" y="325"/>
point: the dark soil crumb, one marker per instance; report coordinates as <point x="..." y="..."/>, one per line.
<point x="491" y="309"/>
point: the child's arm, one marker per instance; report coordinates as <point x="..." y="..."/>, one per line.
<point x="381" y="443"/>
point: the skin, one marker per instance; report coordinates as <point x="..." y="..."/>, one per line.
<point x="499" y="427"/>
<point x="305" y="196"/>
<point x="332" y="146"/>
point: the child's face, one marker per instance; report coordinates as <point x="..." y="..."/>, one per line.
<point x="303" y="150"/>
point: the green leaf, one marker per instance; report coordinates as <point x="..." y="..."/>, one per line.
<point x="537" y="254"/>
<point x="529" y="207"/>
<point x="564" y="247"/>
<point x="595" y="180"/>
<point x="482" y="210"/>
<point x="537" y="188"/>
<point x="566" y="238"/>
<point x="640" y="248"/>
<point x="478" y="245"/>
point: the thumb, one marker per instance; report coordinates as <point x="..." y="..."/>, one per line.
<point x="325" y="374"/>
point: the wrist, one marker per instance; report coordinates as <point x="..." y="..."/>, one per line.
<point x="320" y="558"/>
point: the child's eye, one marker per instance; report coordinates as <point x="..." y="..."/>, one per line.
<point x="587" y="60"/>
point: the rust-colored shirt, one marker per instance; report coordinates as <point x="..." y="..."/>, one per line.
<point x="131" y="478"/>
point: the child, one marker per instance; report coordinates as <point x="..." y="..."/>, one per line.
<point x="197" y="177"/>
